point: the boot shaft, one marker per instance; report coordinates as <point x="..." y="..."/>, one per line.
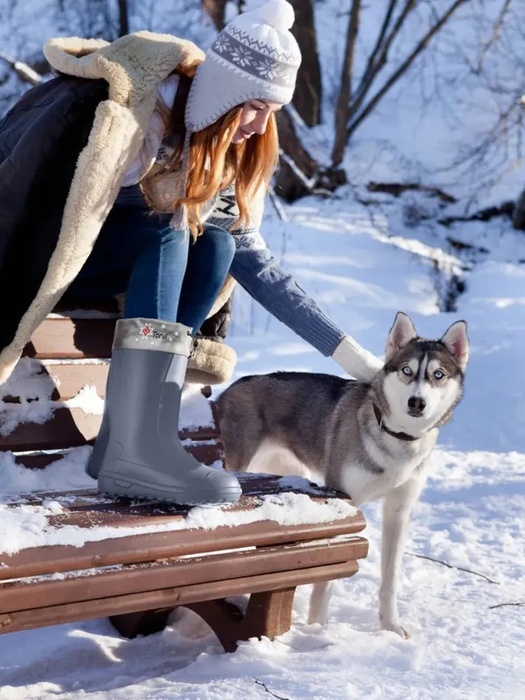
<point x="147" y="371"/>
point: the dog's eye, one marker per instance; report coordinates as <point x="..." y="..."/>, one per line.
<point x="438" y="374"/>
<point x="407" y="371"/>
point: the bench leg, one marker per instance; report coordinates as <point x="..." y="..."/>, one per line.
<point x="268" y="614"/>
<point x="145" y="622"/>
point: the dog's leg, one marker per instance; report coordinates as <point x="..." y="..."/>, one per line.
<point x="396" y="517"/>
<point x="319" y="600"/>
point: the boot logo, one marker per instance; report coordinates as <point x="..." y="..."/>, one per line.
<point x="148" y="332"/>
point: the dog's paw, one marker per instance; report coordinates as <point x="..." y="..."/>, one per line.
<point x="392" y="626"/>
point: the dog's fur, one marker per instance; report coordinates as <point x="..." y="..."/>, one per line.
<point x="369" y="440"/>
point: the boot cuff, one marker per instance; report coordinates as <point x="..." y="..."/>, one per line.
<point x="152" y="334"/>
<point x="211" y="362"/>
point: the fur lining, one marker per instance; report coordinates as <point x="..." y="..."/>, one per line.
<point x="211" y="363"/>
<point x="133" y="65"/>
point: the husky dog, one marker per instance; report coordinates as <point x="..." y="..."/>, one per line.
<point x="368" y="440"/>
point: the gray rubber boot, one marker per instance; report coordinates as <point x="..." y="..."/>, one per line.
<point x="144" y="456"/>
<point x="101" y="443"/>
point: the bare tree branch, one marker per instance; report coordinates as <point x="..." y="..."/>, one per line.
<point x="372" y="60"/>
<point x="274" y="695"/>
<point x="276" y="203"/>
<point x="451" y="566"/>
<point x="23" y="70"/>
<point x="503" y="605"/>
<point x="496" y="33"/>
<point x="379" y="60"/>
<point x="403" y="67"/>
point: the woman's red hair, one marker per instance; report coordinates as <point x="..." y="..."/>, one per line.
<point x="214" y="162"/>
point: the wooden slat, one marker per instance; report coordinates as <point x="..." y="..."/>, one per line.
<point x="67" y="428"/>
<point x="253" y="485"/>
<point x="73" y="428"/>
<point x="120" y="512"/>
<point x="211" y="569"/>
<point x="58" y="338"/>
<point x="38" y="460"/>
<point x="71" y="378"/>
<point x="171" y="597"/>
<point x="87" y="309"/>
<point x="152" y="546"/>
<point x="206" y="453"/>
<point x="206" y="432"/>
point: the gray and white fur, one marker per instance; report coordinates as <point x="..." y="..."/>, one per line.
<point x="369" y="440"/>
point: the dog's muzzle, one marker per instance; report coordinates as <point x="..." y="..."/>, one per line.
<point x="416" y="406"/>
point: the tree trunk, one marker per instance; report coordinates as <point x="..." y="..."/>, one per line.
<point x="123" y="27"/>
<point x="518" y="215"/>
<point x="308" y="91"/>
<point x="289" y="183"/>
<point x="216" y="10"/>
<point x="299" y="174"/>
<point x="345" y="92"/>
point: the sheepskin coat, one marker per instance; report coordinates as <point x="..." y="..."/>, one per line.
<point x="64" y="149"/>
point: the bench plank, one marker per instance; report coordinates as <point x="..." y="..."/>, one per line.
<point x="170" y="597"/>
<point x="68" y="427"/>
<point x="71" y="378"/>
<point x="71" y="427"/>
<point x="207" y="453"/>
<point x="62" y="337"/>
<point x="175" y="572"/>
<point x="153" y="546"/>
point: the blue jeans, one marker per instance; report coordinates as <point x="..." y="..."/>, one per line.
<point x="165" y="274"/>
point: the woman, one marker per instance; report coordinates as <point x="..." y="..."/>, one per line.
<point x="164" y="204"/>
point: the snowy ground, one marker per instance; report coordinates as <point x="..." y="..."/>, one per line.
<point x="468" y="637"/>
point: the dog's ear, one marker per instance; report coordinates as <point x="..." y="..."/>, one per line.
<point x="401" y="333"/>
<point x="456" y="342"/>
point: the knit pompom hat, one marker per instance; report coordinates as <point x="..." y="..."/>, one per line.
<point x="254" y="57"/>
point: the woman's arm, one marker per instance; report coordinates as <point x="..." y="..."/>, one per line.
<point x="257" y="271"/>
<point x="277" y="291"/>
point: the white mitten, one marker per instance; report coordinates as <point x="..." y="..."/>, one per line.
<point x="357" y="361"/>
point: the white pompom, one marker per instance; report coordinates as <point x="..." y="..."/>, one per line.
<point x="278" y="14"/>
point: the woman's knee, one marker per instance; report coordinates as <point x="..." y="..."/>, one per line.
<point x="216" y="244"/>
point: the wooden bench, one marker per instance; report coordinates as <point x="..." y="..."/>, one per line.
<point x="136" y="561"/>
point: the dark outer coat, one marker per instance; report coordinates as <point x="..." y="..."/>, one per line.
<point x="40" y="141"/>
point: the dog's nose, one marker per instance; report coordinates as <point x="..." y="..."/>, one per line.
<point x="416" y="404"/>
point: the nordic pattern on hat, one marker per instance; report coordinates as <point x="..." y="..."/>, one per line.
<point x="254" y="57"/>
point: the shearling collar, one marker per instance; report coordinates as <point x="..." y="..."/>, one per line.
<point x="132" y="65"/>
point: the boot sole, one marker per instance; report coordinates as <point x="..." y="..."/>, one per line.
<point x="118" y="486"/>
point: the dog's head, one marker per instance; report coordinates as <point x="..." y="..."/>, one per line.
<point x="423" y="379"/>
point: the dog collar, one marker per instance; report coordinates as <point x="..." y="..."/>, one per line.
<point x="399" y="436"/>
